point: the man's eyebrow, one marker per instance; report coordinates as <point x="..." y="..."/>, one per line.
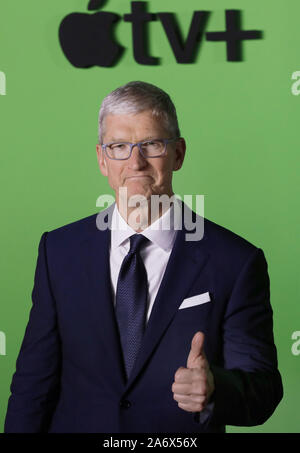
<point x="150" y="137"/>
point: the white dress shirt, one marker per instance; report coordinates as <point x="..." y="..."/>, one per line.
<point x="155" y="253"/>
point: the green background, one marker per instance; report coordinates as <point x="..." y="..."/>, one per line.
<point x="240" y="121"/>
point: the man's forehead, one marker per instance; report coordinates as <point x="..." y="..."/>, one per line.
<point x="144" y="124"/>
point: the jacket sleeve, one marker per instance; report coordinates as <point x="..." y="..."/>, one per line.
<point x="248" y="385"/>
<point x="35" y="383"/>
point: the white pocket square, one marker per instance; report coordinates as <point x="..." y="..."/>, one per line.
<point x="195" y="300"/>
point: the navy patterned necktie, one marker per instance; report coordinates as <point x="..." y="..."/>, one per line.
<point x="131" y="301"/>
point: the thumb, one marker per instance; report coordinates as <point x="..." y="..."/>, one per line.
<point x="196" y="354"/>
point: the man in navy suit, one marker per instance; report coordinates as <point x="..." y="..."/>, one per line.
<point x="136" y="325"/>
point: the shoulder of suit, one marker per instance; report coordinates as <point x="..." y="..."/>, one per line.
<point x="78" y="230"/>
<point x="215" y="235"/>
<point x="218" y="233"/>
<point x="227" y="246"/>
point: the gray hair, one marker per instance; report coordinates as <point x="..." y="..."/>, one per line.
<point x="136" y="97"/>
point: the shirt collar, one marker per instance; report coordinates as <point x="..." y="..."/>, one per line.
<point x="161" y="232"/>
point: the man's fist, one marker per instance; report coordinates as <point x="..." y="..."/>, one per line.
<point x="194" y="385"/>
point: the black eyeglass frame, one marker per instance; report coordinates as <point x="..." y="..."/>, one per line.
<point x="139" y="145"/>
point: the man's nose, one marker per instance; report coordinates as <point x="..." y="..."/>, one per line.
<point x="136" y="160"/>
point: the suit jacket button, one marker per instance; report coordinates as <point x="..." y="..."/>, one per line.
<point x="125" y="404"/>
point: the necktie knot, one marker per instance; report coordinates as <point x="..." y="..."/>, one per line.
<point x="136" y="241"/>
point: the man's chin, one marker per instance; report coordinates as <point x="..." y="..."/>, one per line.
<point x="136" y="189"/>
<point x="138" y="195"/>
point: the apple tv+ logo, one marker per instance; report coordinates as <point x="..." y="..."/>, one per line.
<point x="88" y="39"/>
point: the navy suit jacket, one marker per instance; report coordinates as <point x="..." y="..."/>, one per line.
<point x="70" y="376"/>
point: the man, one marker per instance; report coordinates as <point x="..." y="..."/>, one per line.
<point x="135" y="328"/>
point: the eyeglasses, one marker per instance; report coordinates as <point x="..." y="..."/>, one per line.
<point x="147" y="148"/>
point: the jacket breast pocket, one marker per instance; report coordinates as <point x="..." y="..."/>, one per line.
<point x="193" y="313"/>
<point x="193" y="301"/>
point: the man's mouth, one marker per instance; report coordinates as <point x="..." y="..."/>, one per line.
<point x="138" y="176"/>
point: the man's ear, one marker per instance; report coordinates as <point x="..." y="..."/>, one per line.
<point x="101" y="160"/>
<point x="180" y="147"/>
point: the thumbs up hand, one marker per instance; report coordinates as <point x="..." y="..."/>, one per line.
<point x="194" y="385"/>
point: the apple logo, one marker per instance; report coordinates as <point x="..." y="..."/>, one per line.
<point x="86" y="39"/>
